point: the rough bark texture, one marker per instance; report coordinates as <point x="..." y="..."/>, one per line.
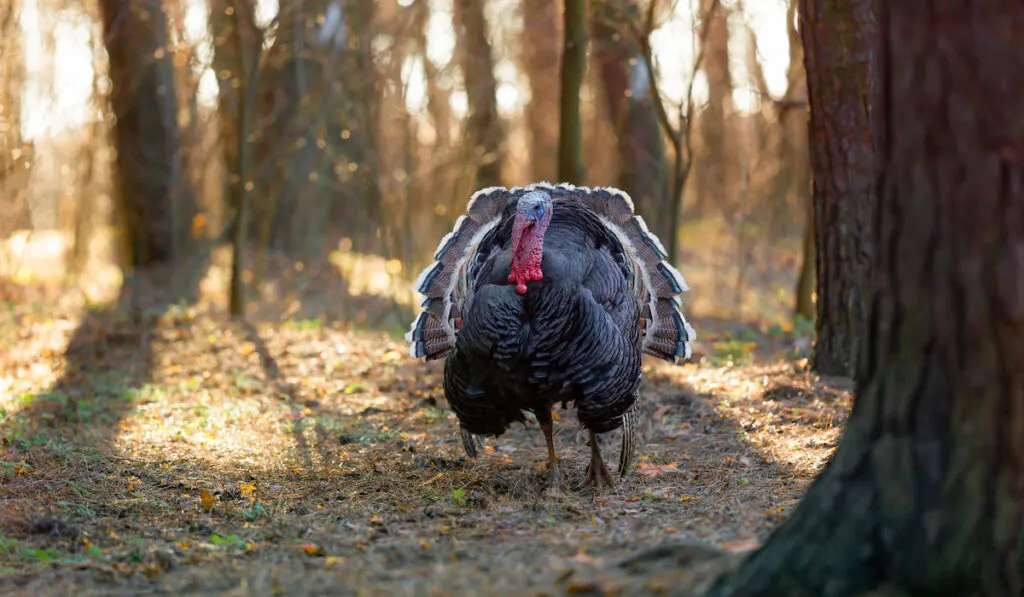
<point x="574" y="67"/>
<point x="484" y="124"/>
<point x="627" y="84"/>
<point x="149" y="184"/>
<point x="838" y="38"/>
<point x="541" y="59"/>
<point x="924" y="493"/>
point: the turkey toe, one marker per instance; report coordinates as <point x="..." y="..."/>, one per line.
<point x="597" y="472"/>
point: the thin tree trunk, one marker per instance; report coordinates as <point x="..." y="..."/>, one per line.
<point x="838" y="38"/>
<point x="793" y="115"/>
<point x="438" y="100"/>
<point x="541" y="59"/>
<point x="150" y="185"/>
<point x="14" y="210"/>
<point x="643" y="167"/>
<point x="362" y="84"/>
<point x="713" y="125"/>
<point x="241" y="192"/>
<point x="924" y="494"/>
<point x="574" y="67"/>
<point x="235" y="38"/>
<point x="484" y="124"/>
<point x="805" y="280"/>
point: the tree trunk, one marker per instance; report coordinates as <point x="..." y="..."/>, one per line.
<point x="150" y="183"/>
<point x="14" y="211"/>
<point x="643" y="168"/>
<point x="483" y="125"/>
<point x="924" y="493"/>
<point x="541" y="59"/>
<point x="793" y="115"/>
<point x="713" y="121"/>
<point x="838" y="44"/>
<point x="235" y="42"/>
<point x="438" y="100"/>
<point x="574" y="67"/>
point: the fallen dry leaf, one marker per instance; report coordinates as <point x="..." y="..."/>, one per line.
<point x="652" y="470"/>
<point x="206" y="499"/>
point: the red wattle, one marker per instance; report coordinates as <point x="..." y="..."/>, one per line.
<point x="521" y="276"/>
<point x="527" y="253"/>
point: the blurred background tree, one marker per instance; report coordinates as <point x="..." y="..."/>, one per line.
<point x="314" y="151"/>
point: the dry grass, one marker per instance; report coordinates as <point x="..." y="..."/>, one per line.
<point x="332" y="463"/>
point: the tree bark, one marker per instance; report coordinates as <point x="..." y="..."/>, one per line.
<point x="484" y="124"/>
<point x="837" y="37"/>
<point x="643" y="169"/>
<point x="574" y="67"/>
<point x="236" y="41"/>
<point x="713" y="121"/>
<point x="541" y="59"/>
<point x="150" y="185"/>
<point x="14" y="211"/>
<point x="924" y="494"/>
<point x="793" y="115"/>
<point x="438" y="100"/>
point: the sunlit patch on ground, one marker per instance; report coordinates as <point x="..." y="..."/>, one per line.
<point x="202" y="452"/>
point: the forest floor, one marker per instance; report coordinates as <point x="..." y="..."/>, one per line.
<point x="200" y="456"/>
<point x="191" y="455"/>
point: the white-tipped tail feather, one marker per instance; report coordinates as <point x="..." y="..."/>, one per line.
<point x="445" y="284"/>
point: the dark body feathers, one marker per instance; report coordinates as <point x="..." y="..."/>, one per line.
<point x="608" y="294"/>
<point x="574" y="337"/>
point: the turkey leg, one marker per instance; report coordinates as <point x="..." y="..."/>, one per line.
<point x="597" y="472"/>
<point x="547" y="427"/>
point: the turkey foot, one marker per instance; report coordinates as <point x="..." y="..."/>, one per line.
<point x="555" y="489"/>
<point x="597" y="472"/>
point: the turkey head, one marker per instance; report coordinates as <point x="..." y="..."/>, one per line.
<point x="533" y="214"/>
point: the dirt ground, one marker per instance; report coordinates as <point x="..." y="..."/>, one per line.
<point x="193" y="455"/>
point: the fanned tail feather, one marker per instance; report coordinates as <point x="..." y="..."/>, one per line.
<point x="469" y="442"/>
<point x="630" y="438"/>
<point x="444" y="282"/>
<point x="656" y="283"/>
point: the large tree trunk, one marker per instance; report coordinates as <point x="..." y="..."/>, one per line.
<point x="484" y="124"/>
<point x="574" y="67"/>
<point x="541" y="59"/>
<point x="643" y="169"/>
<point x="150" y="184"/>
<point x="924" y="493"/>
<point x="838" y="36"/>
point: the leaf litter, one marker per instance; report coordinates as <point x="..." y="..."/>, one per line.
<point x="204" y="454"/>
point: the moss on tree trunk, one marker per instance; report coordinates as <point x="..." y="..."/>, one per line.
<point x="923" y="496"/>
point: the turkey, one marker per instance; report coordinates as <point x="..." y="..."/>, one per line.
<point x="547" y="295"/>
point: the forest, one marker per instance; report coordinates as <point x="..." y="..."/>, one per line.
<point x="223" y="372"/>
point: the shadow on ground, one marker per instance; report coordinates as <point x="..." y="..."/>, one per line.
<point x="195" y="455"/>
